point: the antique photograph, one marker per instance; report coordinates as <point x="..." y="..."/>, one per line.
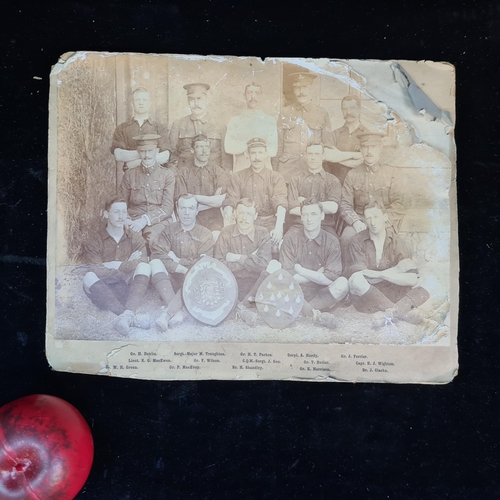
<point x="235" y="200"/>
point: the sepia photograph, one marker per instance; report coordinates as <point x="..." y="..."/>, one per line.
<point x="217" y="208"/>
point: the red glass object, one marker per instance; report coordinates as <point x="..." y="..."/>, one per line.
<point x="46" y="449"/>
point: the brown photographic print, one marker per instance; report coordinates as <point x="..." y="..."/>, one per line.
<point x="220" y="217"/>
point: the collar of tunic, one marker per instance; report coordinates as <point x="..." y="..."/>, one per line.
<point x="321" y="173"/>
<point x="196" y="119"/>
<point x="133" y="119"/>
<point x="372" y="168"/>
<point x="319" y="240"/>
<point x="251" y="234"/>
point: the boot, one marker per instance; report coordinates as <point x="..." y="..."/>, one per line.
<point x="123" y="322"/>
<point x="383" y="318"/>
<point x="178" y="318"/>
<point x="325" y="319"/>
<point x="162" y="321"/>
<point x="248" y="316"/>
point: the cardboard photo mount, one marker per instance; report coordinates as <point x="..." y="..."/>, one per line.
<point x="288" y="103"/>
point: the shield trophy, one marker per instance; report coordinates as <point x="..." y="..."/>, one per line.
<point x="279" y="299"/>
<point x="210" y="291"/>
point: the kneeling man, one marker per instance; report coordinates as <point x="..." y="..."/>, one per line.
<point x="173" y="254"/>
<point x="244" y="247"/>
<point x="312" y="256"/>
<point x="120" y="272"/>
<point x="383" y="277"/>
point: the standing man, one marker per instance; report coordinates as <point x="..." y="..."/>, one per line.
<point x="148" y="190"/>
<point x="185" y="129"/>
<point x="314" y="183"/>
<point x="266" y="188"/>
<point x="370" y="181"/>
<point x="383" y="276"/>
<point x="312" y="257"/>
<point x="346" y="138"/>
<point x="301" y="123"/>
<point x="120" y="273"/>
<point x="173" y="254"/>
<point x="244" y="247"/>
<point x="123" y="146"/>
<point x="206" y="181"/>
<point x="253" y="122"/>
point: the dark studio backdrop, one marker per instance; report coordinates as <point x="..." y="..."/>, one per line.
<point x="225" y="440"/>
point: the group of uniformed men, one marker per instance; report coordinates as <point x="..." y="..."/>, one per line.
<point x="274" y="206"/>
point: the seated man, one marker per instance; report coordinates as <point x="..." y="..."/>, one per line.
<point x="383" y="277"/>
<point x="120" y="272"/>
<point x="312" y="256"/>
<point x="207" y="181"/>
<point x="148" y="190"/>
<point x="314" y="182"/>
<point x="174" y="252"/>
<point x="244" y="248"/>
<point x="265" y="187"/>
<point x="370" y="181"/>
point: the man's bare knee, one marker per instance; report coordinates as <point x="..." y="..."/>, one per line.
<point x="358" y="284"/>
<point x="339" y="288"/>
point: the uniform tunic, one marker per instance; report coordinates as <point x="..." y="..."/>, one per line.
<point x="149" y="191"/>
<point x="181" y="136"/>
<point x="297" y="126"/>
<point x="364" y="184"/>
<point x="322" y="185"/>
<point x="320" y="252"/>
<point x="203" y="181"/>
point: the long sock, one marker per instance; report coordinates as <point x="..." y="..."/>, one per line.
<point x="162" y="283"/>
<point x="102" y="296"/>
<point x="323" y="300"/>
<point x="372" y="301"/>
<point x="413" y="299"/>
<point x="137" y="291"/>
<point x="175" y="304"/>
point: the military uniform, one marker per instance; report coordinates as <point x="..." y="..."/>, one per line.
<point x="297" y="126"/>
<point x="181" y="137"/>
<point x="365" y="184"/>
<point x="149" y="191"/>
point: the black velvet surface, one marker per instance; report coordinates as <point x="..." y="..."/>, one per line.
<point x="263" y="440"/>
